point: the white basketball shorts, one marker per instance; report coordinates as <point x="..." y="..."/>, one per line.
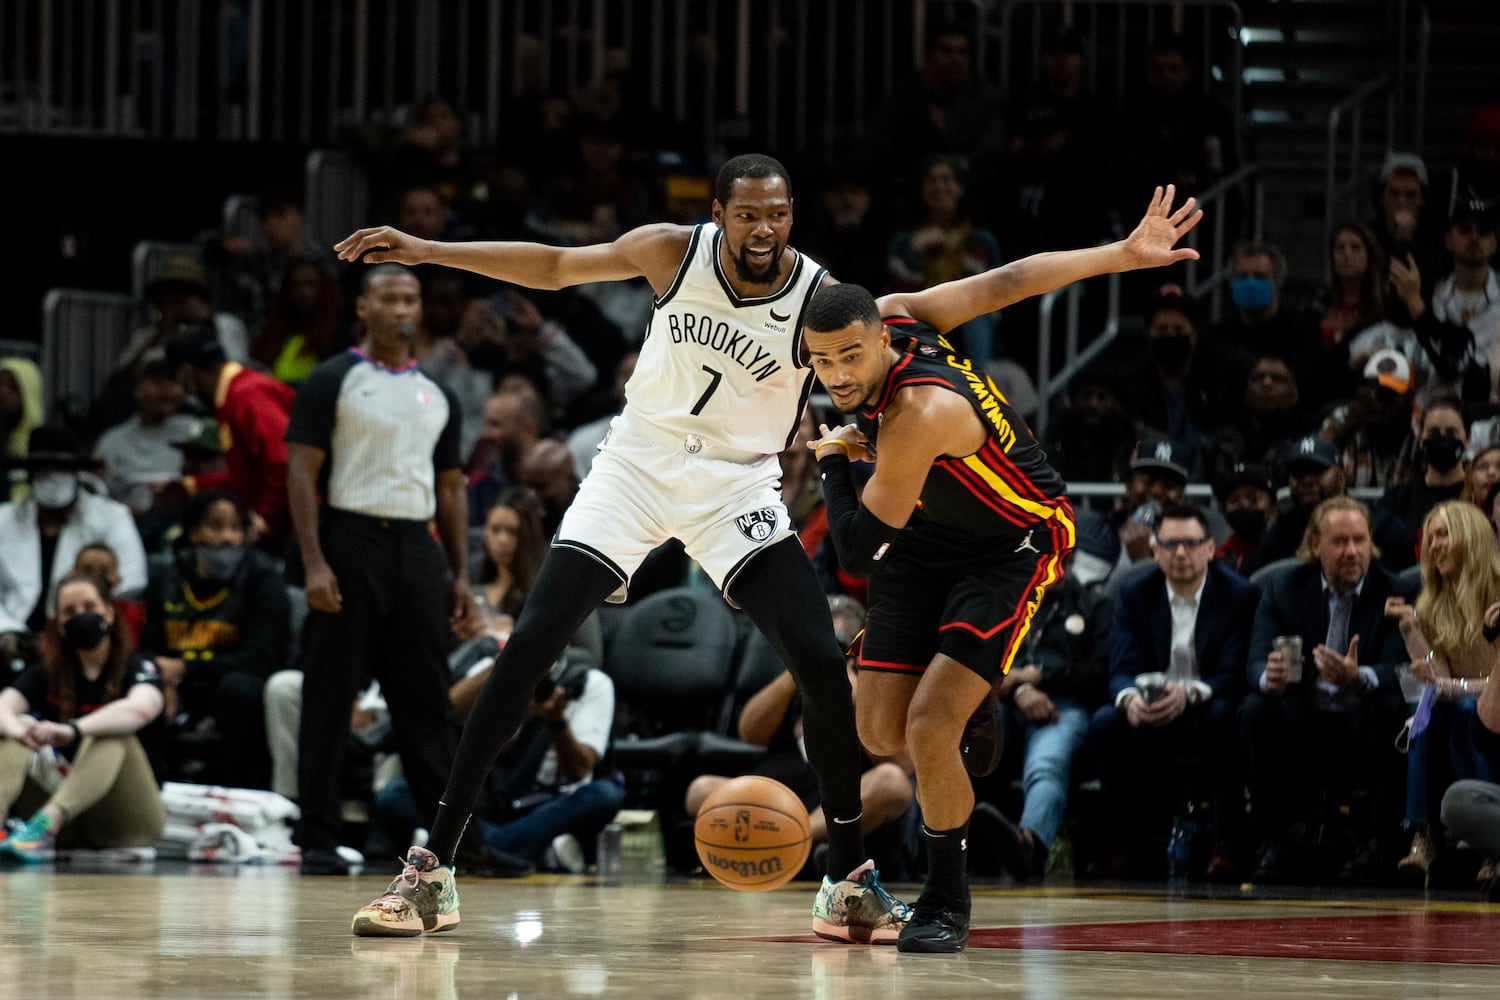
<point x="648" y="485"/>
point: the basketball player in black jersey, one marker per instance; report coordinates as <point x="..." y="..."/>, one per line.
<point x="962" y="529"/>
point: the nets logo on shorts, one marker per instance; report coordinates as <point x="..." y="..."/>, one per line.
<point x="758" y="524"/>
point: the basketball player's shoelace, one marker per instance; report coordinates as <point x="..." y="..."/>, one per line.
<point x="402" y="888"/>
<point x="895" y="907"/>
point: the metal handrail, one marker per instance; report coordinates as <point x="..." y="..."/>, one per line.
<point x="1048" y="383"/>
<point x="1218" y="227"/>
<point x="1353" y="106"/>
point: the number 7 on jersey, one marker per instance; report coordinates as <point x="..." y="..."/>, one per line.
<point x="713" y="383"/>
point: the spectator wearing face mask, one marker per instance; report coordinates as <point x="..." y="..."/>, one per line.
<point x="88" y="713"/>
<point x="1438" y="474"/>
<point x="1182" y="391"/>
<point x="41" y="535"/>
<point x="1248" y="500"/>
<point x="1261" y="323"/>
<point x="218" y="624"/>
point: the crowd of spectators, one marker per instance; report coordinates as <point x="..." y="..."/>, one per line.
<point x="170" y="498"/>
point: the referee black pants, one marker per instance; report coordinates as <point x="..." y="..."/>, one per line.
<point x="397" y="595"/>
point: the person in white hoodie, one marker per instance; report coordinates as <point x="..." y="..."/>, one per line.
<point x="42" y="534"/>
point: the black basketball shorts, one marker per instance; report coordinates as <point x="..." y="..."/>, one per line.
<point x="971" y="599"/>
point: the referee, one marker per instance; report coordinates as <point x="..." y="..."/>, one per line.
<point x="381" y="441"/>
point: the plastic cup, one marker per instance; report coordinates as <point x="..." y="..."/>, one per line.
<point x="1151" y="686"/>
<point x="1411" y="686"/>
<point x="1290" y="648"/>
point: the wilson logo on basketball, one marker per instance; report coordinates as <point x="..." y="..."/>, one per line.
<point x="744" y="869"/>
<point x="758" y="524"/>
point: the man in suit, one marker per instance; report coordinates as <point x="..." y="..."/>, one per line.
<point x="1189" y="619"/>
<point x="1342" y="714"/>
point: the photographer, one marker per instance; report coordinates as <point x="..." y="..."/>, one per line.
<point x="552" y="787"/>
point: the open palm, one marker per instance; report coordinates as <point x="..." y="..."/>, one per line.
<point x="1152" y="241"/>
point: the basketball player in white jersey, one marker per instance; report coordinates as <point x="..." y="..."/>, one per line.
<point x="717" y="394"/>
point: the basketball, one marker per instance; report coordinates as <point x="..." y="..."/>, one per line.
<point x="753" y="834"/>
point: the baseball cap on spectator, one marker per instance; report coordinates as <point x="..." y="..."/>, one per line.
<point x="204" y="439"/>
<point x="1473" y="208"/>
<point x="1157" y="454"/>
<point x="180" y="271"/>
<point x="1310" y="452"/>
<point x="1242" y="474"/>
<point x="195" y="344"/>
<point x="52" y="446"/>
<point x="1389" y="368"/>
<point x="1408" y="162"/>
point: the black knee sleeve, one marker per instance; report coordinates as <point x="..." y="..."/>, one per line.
<point x="570" y="586"/>
<point x="779" y="590"/>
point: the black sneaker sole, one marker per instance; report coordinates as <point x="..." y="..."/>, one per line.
<point x="931" y="946"/>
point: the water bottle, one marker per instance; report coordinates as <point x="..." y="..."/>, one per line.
<point x="609" y="844"/>
<point x="1177" y="854"/>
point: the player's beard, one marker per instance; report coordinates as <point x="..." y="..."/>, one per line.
<point x="859" y="398"/>
<point x="750" y="273"/>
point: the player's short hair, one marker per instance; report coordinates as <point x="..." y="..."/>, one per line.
<point x="837" y="306"/>
<point x="748" y="166"/>
<point x="390" y="269"/>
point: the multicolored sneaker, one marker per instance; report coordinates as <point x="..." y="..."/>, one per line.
<point x="423" y="899"/>
<point x="31" y="843"/>
<point x="858" y="909"/>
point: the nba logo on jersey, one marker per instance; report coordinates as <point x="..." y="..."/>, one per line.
<point x="757" y="525"/>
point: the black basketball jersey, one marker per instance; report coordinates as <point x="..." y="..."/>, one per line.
<point x="1004" y="487"/>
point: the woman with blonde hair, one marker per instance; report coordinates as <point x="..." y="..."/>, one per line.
<point x="1445" y="639"/>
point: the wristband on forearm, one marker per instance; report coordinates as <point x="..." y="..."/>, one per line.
<point x="860" y="538"/>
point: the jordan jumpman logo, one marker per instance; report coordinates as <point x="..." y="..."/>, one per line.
<point x="1026" y="544"/>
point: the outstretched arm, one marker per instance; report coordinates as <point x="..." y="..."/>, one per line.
<point x="650" y="251"/>
<point x="1151" y="244"/>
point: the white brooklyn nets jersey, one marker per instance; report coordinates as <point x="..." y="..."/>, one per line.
<point x="725" y="368"/>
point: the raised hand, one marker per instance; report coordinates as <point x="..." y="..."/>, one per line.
<point x="1152" y="241"/>
<point x="400" y="248"/>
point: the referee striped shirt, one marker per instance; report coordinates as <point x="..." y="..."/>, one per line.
<point x="387" y="433"/>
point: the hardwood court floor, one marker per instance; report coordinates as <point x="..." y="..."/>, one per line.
<point x="202" y="931"/>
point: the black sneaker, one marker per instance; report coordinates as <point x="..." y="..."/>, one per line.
<point x="1370" y="866"/>
<point x="983" y="739"/>
<point x="486" y="863"/>
<point x="1270" y="868"/>
<point x="326" y="861"/>
<point x="1017" y="852"/>
<point x="939" y="925"/>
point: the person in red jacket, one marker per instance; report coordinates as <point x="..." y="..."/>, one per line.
<point x="252" y="410"/>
